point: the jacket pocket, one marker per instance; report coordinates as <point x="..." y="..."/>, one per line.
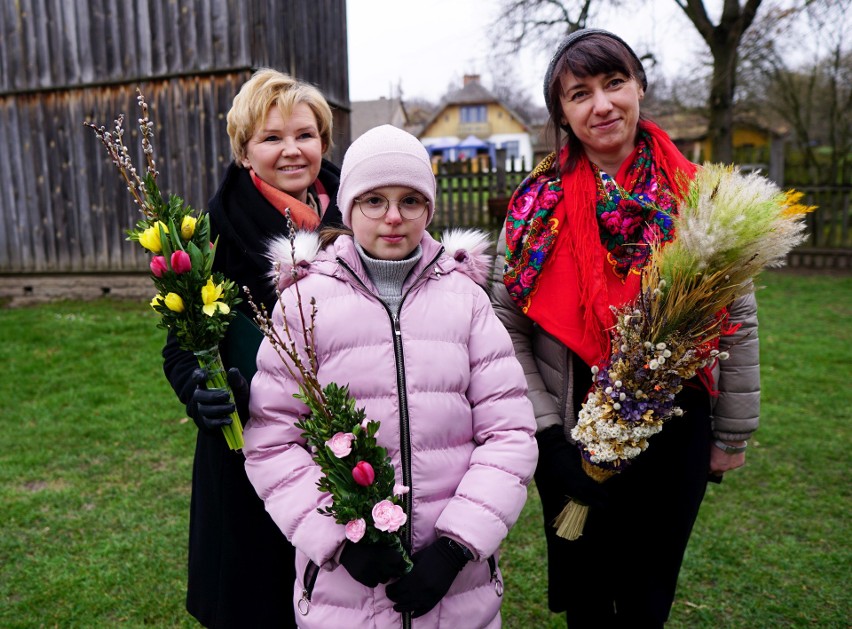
<point x="309" y="581"/>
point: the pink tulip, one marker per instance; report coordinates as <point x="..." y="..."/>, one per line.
<point x="181" y="262"/>
<point x="363" y="474"/>
<point x="158" y="266"/>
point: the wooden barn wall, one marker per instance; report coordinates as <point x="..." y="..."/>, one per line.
<point x="62" y="207"/>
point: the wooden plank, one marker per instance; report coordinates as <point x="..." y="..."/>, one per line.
<point x="144" y="38"/>
<point x="60" y="239"/>
<point x="11" y="256"/>
<point x="55" y="61"/>
<point x="77" y="200"/>
<point x="202" y="19"/>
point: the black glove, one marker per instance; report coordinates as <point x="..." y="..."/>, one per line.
<point x="371" y="564"/>
<point x="211" y="408"/>
<point x="435" y="569"/>
<point x="561" y="463"/>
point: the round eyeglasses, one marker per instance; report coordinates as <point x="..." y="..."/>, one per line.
<point x="410" y="207"/>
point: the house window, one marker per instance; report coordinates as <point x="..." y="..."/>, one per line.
<point x="475" y="113"/>
<point x="513" y="149"/>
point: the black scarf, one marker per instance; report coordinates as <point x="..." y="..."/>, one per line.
<point x="244" y="221"/>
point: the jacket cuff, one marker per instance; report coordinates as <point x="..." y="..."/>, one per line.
<point x="732" y="436"/>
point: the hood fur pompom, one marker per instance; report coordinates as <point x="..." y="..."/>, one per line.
<point x="290" y="261"/>
<point x="469" y="248"/>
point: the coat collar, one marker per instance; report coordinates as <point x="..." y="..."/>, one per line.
<point x="465" y="251"/>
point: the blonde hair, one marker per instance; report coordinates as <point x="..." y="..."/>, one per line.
<point x="269" y="88"/>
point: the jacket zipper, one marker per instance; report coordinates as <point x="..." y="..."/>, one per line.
<point x="404" y="428"/>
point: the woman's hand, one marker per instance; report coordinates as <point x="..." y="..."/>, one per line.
<point x="721" y="461"/>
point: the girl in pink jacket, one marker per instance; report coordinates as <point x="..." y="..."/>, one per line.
<point x="401" y="319"/>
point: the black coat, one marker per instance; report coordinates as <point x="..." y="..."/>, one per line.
<point x="241" y="567"/>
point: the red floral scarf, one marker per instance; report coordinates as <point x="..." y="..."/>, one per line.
<point x="576" y="244"/>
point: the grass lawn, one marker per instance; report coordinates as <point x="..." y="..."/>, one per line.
<point x="96" y="459"/>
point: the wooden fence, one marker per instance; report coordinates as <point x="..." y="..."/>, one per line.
<point x="829" y="242"/>
<point x="474" y="194"/>
<point x="477" y="197"/>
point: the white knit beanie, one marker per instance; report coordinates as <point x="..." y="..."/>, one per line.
<point x="384" y="156"/>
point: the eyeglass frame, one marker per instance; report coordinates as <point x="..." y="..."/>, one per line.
<point x="388" y="202"/>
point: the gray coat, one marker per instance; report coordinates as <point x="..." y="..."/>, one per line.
<point x="548" y="366"/>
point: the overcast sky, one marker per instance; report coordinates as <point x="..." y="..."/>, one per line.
<point x="428" y="45"/>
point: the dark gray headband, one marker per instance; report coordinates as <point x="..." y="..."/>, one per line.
<point x="572" y="39"/>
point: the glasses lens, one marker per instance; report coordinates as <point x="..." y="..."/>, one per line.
<point x="412" y="206"/>
<point x="373" y="205"/>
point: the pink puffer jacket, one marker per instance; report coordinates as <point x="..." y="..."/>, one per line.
<point x="455" y="419"/>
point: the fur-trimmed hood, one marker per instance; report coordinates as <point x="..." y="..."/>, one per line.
<point x="462" y="250"/>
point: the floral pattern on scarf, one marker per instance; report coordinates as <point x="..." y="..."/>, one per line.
<point x="630" y="218"/>
<point x="530" y="229"/>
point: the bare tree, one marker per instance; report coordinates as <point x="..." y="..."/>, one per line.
<point x="545" y="22"/>
<point x="813" y="96"/>
<point x="724" y="40"/>
<point x="507" y="87"/>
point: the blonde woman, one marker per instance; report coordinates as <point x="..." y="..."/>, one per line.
<point x="240" y="565"/>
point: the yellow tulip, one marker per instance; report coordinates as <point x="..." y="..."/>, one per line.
<point x="210" y="293"/>
<point x="187" y="227"/>
<point x="174" y="302"/>
<point x="150" y="238"/>
<point x="158" y="299"/>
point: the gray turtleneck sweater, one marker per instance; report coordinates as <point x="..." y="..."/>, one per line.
<point x="389" y="275"/>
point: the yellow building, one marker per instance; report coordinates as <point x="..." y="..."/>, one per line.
<point x="757" y="146"/>
<point x="472" y="123"/>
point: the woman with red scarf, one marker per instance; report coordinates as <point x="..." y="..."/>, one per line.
<point x="576" y="239"/>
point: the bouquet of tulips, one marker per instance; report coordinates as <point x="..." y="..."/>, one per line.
<point x="357" y="471"/>
<point x="193" y="302"/>
<point x="728" y="228"/>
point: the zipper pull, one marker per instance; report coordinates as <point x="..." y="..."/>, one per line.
<point x="304" y="604"/>
<point x="498" y="584"/>
<point x="396" y="329"/>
